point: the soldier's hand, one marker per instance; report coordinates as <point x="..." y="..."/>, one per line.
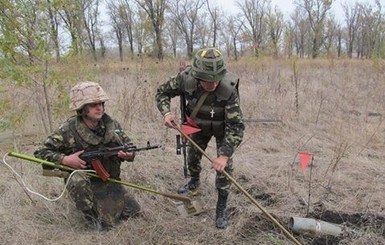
<point x="220" y="163"/>
<point x="74" y="161"/>
<point x="169" y="119"/>
<point x="126" y="155"/>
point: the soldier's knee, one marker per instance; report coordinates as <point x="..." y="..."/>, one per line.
<point x="131" y="208"/>
<point x="222" y="183"/>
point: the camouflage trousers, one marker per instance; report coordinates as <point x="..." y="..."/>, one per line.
<point x="222" y="184"/>
<point x="105" y="203"/>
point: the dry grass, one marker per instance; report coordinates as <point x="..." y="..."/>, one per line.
<point x="332" y="108"/>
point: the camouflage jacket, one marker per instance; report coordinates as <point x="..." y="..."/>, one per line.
<point x="73" y="135"/>
<point x="220" y="115"/>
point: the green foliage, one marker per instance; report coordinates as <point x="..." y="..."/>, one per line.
<point x="11" y="72"/>
<point x="11" y="118"/>
<point x="12" y="77"/>
<point x="61" y="102"/>
<point x="4" y="108"/>
<point x="27" y="68"/>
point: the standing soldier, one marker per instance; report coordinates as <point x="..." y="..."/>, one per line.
<point x="213" y="105"/>
<point x="102" y="203"/>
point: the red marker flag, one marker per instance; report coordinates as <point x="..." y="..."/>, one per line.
<point x="191" y="122"/>
<point x="304" y="159"/>
<point x="189" y="130"/>
<point x="191" y="127"/>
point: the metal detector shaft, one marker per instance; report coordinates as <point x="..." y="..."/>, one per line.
<point x="66" y="168"/>
<point x="287" y="233"/>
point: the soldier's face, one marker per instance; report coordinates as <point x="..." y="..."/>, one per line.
<point x="209" y="86"/>
<point x="95" y="110"/>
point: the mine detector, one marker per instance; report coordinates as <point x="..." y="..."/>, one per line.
<point x="185" y="205"/>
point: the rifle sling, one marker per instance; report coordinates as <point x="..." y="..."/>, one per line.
<point x="199" y="105"/>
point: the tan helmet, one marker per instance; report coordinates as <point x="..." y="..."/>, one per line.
<point x="85" y="93"/>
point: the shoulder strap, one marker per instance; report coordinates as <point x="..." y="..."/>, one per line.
<point x="199" y="105"/>
<point x="227" y="85"/>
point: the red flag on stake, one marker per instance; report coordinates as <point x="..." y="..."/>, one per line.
<point x="304" y="159"/>
<point x="191" y="127"/>
<point x="191" y="122"/>
<point x="189" y="130"/>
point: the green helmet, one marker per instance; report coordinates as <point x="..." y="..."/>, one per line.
<point x="208" y="65"/>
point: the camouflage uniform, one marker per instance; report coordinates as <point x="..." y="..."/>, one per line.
<point x="219" y="116"/>
<point x="226" y="124"/>
<point x="103" y="202"/>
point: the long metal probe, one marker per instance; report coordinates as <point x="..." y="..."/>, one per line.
<point x="287" y="233"/>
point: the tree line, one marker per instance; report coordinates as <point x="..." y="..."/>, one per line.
<point x="45" y="45"/>
<point x="32" y="29"/>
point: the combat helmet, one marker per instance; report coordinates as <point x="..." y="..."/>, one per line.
<point x="208" y="65"/>
<point x="85" y="93"/>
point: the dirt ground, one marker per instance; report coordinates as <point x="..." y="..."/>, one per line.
<point x="331" y="109"/>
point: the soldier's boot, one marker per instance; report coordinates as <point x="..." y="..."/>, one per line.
<point x="92" y="219"/>
<point x="221" y="220"/>
<point x="191" y="186"/>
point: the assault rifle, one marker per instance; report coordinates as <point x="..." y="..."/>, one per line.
<point x="181" y="142"/>
<point x="94" y="157"/>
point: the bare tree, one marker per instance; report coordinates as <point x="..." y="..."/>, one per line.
<point x="103" y="48"/>
<point x="155" y="11"/>
<point x="275" y="27"/>
<point x="127" y="15"/>
<point x="331" y="36"/>
<point x="71" y="13"/>
<point x="90" y="9"/>
<point x="185" y="16"/>
<point x="115" y="12"/>
<point x="372" y="28"/>
<point x="173" y="34"/>
<point x="202" y="31"/>
<point x="301" y="31"/>
<point x="214" y="14"/>
<point x="254" y="12"/>
<point x="230" y="34"/>
<point x="142" y="31"/>
<point x="288" y="39"/>
<point x="339" y="41"/>
<point x="366" y="31"/>
<point x="352" y="16"/>
<point x="54" y="26"/>
<point x="317" y="13"/>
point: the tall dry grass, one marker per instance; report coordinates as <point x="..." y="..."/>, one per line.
<point x="331" y="108"/>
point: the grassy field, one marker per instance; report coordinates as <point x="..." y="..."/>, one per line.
<point x="333" y="109"/>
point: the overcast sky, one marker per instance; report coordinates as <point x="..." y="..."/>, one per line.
<point x="287" y="6"/>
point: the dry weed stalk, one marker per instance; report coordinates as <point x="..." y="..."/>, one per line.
<point x="339" y="153"/>
<point x="295" y="81"/>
